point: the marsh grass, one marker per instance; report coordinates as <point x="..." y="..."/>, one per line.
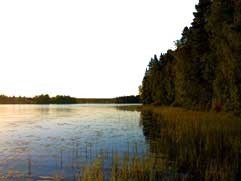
<point x="135" y="168"/>
<point x="202" y="145"/>
<point x="184" y="145"/>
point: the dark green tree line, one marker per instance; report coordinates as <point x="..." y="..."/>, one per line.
<point x="61" y="99"/>
<point x="205" y="69"/>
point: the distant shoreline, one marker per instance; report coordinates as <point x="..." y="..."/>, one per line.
<point x="62" y="99"/>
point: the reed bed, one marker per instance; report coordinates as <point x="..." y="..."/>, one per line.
<point x="202" y="145"/>
<point x="184" y="145"/>
<point x="126" y="168"/>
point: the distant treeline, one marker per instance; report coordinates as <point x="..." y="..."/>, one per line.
<point x="46" y="99"/>
<point x="127" y="99"/>
<point x="204" y="71"/>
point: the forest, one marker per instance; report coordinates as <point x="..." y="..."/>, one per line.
<point x="204" y="71"/>
<point x="61" y="99"/>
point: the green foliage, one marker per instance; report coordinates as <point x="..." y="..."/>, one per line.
<point x="42" y="99"/>
<point x="63" y="100"/>
<point x="224" y="24"/>
<point x="127" y="99"/>
<point x="206" y="65"/>
<point x="60" y="99"/>
<point x="146" y="89"/>
<point x="15" y="100"/>
<point x="158" y="83"/>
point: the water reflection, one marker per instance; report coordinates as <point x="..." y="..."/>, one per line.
<point x="195" y="147"/>
<point x="38" y="141"/>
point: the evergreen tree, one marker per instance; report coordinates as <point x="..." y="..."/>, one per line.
<point x="205" y="68"/>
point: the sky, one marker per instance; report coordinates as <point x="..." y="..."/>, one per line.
<point x="85" y="48"/>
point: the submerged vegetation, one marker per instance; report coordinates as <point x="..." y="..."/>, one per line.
<point x="204" y="72"/>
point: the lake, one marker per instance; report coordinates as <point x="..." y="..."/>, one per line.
<point x="40" y="141"/>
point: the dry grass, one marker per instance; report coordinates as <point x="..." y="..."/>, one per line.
<point x="125" y="169"/>
<point x="204" y="145"/>
<point x="184" y="145"/>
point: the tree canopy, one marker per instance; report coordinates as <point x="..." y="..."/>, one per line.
<point x="204" y="71"/>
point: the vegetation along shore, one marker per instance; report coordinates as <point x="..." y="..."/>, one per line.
<point x="198" y="136"/>
<point x="184" y="145"/>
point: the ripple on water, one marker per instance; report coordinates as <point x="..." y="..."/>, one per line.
<point x="62" y="136"/>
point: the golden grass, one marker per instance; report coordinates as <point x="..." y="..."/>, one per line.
<point x="196" y="146"/>
<point x="125" y="169"/>
<point x="205" y="145"/>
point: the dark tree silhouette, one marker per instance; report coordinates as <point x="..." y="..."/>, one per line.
<point x="205" y="69"/>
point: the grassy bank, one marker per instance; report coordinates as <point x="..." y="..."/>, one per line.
<point x="184" y="145"/>
<point x="205" y="145"/>
<point x="147" y="168"/>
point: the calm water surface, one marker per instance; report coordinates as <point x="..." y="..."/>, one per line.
<point x="44" y="140"/>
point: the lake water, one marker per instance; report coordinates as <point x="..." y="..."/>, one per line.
<point x="45" y="140"/>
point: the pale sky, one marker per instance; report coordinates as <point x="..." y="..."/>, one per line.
<point x="84" y="48"/>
